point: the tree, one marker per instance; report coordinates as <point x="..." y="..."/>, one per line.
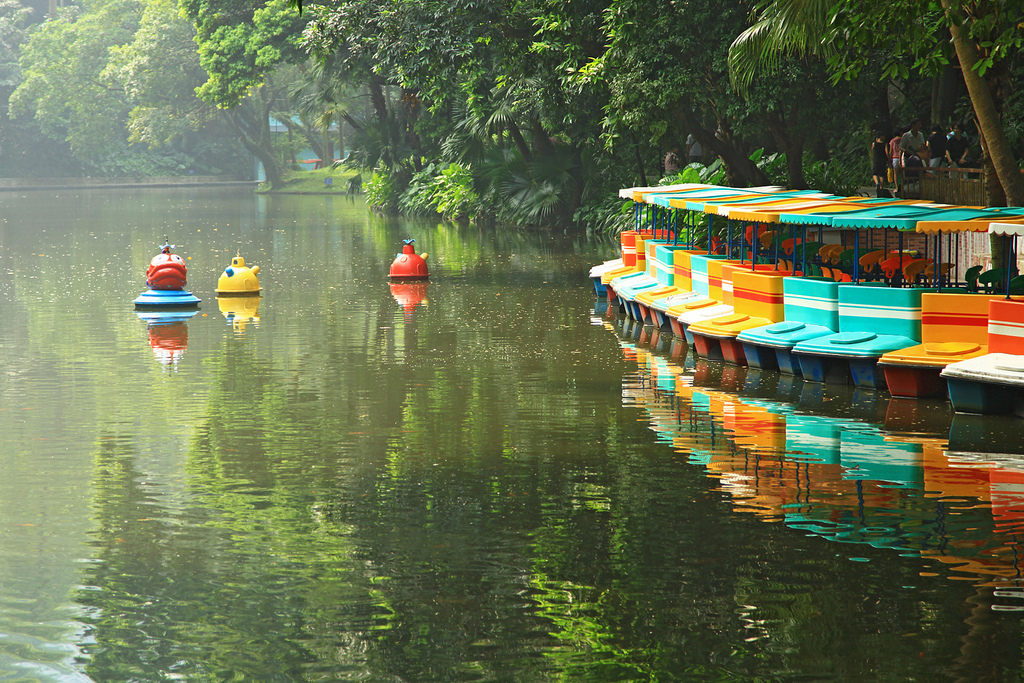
<point x="668" y="79"/>
<point x="240" y="45"/>
<point x="457" y="62"/>
<point x="64" y="87"/>
<point x="985" y="35"/>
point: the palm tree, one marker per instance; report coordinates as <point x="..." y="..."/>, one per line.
<point x="784" y="27"/>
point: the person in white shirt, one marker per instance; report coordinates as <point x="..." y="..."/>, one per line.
<point x="912" y="139"/>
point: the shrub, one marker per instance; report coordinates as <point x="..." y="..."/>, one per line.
<point x="380" y="192"/>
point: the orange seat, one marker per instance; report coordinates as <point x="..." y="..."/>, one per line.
<point x="871" y="259"/>
<point x="914" y="268"/>
<point x="827" y="252"/>
<point x="749" y="232"/>
<point x="790" y="244"/>
<point x="929" y="271"/>
<point x="891" y="265"/>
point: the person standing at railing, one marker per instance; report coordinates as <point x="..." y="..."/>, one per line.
<point x="958" y="147"/>
<point x="879" y="162"/>
<point x="912" y="140"/>
<point x="937" y="146"/>
<point x="894" y="154"/>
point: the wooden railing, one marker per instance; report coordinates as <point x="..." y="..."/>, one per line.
<point x="949" y="185"/>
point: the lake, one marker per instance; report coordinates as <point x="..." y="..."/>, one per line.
<point x="485" y="477"/>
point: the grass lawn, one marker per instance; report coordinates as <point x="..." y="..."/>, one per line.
<point x="313" y="182"/>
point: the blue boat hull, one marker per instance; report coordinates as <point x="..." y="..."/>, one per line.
<point x="166" y="298"/>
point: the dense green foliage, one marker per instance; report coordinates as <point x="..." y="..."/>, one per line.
<point x="517" y="111"/>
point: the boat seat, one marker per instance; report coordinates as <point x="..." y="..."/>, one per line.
<point x="869" y="261"/>
<point x="929" y="271"/>
<point x="894" y="264"/>
<point x="827" y="251"/>
<point x="914" y="268"/>
<point x="994" y="280"/>
<point x="971" y="278"/>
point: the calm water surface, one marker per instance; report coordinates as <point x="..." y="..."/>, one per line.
<point x="479" y="479"/>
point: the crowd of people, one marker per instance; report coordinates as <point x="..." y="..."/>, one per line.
<point x="908" y="153"/>
<point x="902" y="159"/>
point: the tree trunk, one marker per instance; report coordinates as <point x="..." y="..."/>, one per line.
<point x="520" y="142"/>
<point x="377" y="99"/>
<point x="541" y="140"/>
<point x="341" y="138"/>
<point x="994" y="196"/>
<point x="946" y="89"/>
<point x="252" y="125"/>
<point x="639" y="160"/>
<point x="989" y="121"/>
<point x="791" y="145"/>
<point x="990" y="125"/>
<point x="740" y="171"/>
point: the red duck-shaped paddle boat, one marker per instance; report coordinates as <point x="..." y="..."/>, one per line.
<point x="166" y="280"/>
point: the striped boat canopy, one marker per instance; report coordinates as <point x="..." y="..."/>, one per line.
<point x="776" y="205"/>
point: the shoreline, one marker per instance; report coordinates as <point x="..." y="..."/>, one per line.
<point x="50" y="184"/>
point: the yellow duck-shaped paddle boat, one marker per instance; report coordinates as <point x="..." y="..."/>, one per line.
<point x="239" y="279"/>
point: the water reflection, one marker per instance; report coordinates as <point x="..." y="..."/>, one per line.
<point x="850" y="466"/>
<point x="168" y="334"/>
<point x="345" y="496"/>
<point x="409" y="295"/>
<point x="239" y="311"/>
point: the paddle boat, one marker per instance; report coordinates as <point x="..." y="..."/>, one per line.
<point x="993" y="383"/>
<point x="811" y="310"/>
<point x="757" y="301"/>
<point x="239" y="279"/>
<point x="166" y="278"/>
<point x="408" y="265"/>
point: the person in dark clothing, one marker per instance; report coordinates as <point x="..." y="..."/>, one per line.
<point x="957" y="147"/>
<point x="937" y="146"/>
<point x="879" y="160"/>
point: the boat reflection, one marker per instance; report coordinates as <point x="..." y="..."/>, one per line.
<point x="849" y="465"/>
<point x="240" y="310"/>
<point x="168" y="333"/>
<point x="409" y="295"/>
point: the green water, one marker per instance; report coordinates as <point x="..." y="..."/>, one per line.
<point x="498" y="485"/>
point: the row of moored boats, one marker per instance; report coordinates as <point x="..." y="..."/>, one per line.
<point x="821" y="287"/>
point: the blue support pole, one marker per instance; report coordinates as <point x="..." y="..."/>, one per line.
<point x="856" y="255"/>
<point x="803" y="243"/>
<point x="1006" y="259"/>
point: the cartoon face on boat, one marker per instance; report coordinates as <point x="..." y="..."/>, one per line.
<point x="166" y="270"/>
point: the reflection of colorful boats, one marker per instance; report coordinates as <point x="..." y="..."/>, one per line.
<point x="168" y="334"/>
<point x="842" y="479"/>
